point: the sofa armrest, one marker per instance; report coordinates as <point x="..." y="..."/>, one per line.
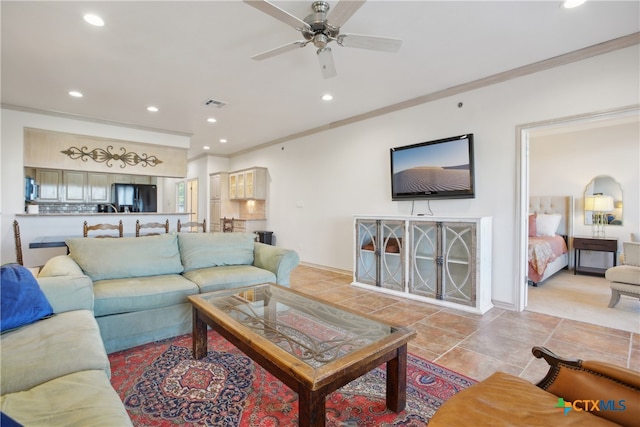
<point x="279" y="261"/>
<point x="578" y="381"/>
<point x="65" y="285"/>
<point x="66" y="293"/>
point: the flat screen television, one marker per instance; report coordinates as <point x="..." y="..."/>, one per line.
<point x="439" y="169"/>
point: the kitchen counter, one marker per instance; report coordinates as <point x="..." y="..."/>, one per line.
<point x="108" y="214"/>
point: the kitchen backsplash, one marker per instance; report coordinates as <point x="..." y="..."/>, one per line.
<point x="71" y="208"/>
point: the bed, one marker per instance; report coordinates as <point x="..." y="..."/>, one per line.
<point x="550" y="225"/>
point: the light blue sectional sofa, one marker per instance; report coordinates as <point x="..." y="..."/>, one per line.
<point x="55" y="372"/>
<point x="141" y="284"/>
<point x="113" y="294"/>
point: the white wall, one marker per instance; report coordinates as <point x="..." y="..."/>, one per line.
<point x="345" y="171"/>
<point x="565" y="163"/>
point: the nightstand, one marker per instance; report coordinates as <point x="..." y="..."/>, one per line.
<point x="593" y="244"/>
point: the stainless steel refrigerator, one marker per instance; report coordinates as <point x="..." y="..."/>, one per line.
<point x="135" y="197"/>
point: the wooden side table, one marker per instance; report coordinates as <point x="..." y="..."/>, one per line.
<point x="593" y="244"/>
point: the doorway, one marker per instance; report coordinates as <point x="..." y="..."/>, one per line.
<point x="523" y="140"/>
<point x="192" y="199"/>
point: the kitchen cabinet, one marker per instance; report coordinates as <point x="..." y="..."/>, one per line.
<point x="248" y="184"/>
<point x="214" y="186"/>
<point x="219" y="204"/>
<point x="130" y="179"/>
<point x="444" y="261"/>
<point x="99" y="187"/>
<point x="50" y="183"/>
<point x="74" y="186"/>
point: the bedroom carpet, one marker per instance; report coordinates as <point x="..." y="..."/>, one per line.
<point x="585" y="299"/>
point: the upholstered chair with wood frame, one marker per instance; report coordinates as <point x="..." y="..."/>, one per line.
<point x="87" y="228"/>
<point x="151" y="225"/>
<point x="188" y="227"/>
<point x="564" y="397"/>
<point x="625" y="278"/>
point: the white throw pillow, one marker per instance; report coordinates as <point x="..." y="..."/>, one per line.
<point x="547" y="224"/>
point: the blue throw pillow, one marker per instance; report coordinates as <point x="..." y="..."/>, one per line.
<point x="7" y="421"/>
<point x="22" y="300"/>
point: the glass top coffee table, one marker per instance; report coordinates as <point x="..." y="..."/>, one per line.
<point x="312" y="346"/>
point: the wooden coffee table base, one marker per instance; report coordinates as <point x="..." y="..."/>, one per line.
<point x="312" y="403"/>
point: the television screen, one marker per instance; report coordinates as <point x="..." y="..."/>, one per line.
<point x="440" y="169"/>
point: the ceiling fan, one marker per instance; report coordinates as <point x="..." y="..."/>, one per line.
<point x="321" y="28"/>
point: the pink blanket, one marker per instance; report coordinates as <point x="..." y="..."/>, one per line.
<point x="542" y="251"/>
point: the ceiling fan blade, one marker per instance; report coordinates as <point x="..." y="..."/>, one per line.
<point x="278" y="50"/>
<point x="279" y="14"/>
<point x="383" y="44"/>
<point x="342" y="11"/>
<point x="327" y="66"/>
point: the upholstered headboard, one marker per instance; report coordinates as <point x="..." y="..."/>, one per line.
<point x="555" y="204"/>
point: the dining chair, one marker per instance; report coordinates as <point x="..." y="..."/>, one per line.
<point x="18" y="241"/>
<point x="16" y="237"/>
<point x="190" y="225"/>
<point x="227" y="225"/>
<point x="88" y="228"/>
<point x="151" y="225"/>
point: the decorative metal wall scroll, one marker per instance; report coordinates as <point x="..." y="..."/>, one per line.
<point x="106" y="156"/>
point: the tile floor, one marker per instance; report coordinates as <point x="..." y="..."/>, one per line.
<point x="475" y="345"/>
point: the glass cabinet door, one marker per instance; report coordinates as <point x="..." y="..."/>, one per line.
<point x="366" y="249"/>
<point x="391" y="255"/>
<point x="423" y="279"/>
<point x="380" y="253"/>
<point x="459" y="258"/>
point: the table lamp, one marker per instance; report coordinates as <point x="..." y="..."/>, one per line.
<point x="598" y="204"/>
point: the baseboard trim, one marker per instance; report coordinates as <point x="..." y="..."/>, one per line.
<point x="326" y="268"/>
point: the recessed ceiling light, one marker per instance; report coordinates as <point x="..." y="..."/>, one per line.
<point x="570" y="4"/>
<point x="206" y="147"/>
<point x="75" y="94"/>
<point x="94" y="20"/>
<point x="223" y="141"/>
<point x="152" y="109"/>
<point x="211" y="120"/>
<point x="327" y="97"/>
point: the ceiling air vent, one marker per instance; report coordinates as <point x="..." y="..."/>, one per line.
<point x="214" y="103"/>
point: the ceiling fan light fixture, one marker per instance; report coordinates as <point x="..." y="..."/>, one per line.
<point x="320" y="40"/>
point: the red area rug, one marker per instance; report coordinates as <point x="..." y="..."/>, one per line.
<point x="161" y="384"/>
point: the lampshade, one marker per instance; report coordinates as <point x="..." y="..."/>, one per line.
<point x="598" y="203"/>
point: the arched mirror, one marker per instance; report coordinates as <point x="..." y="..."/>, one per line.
<point x="603" y="198"/>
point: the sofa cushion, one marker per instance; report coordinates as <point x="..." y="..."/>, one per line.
<point x="23" y="302"/>
<point x="66" y="343"/>
<point x="200" y="250"/>
<point x="117" y="258"/>
<point x="83" y="398"/>
<point x="623" y="274"/>
<point x="230" y="276"/>
<point x="140" y="293"/>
